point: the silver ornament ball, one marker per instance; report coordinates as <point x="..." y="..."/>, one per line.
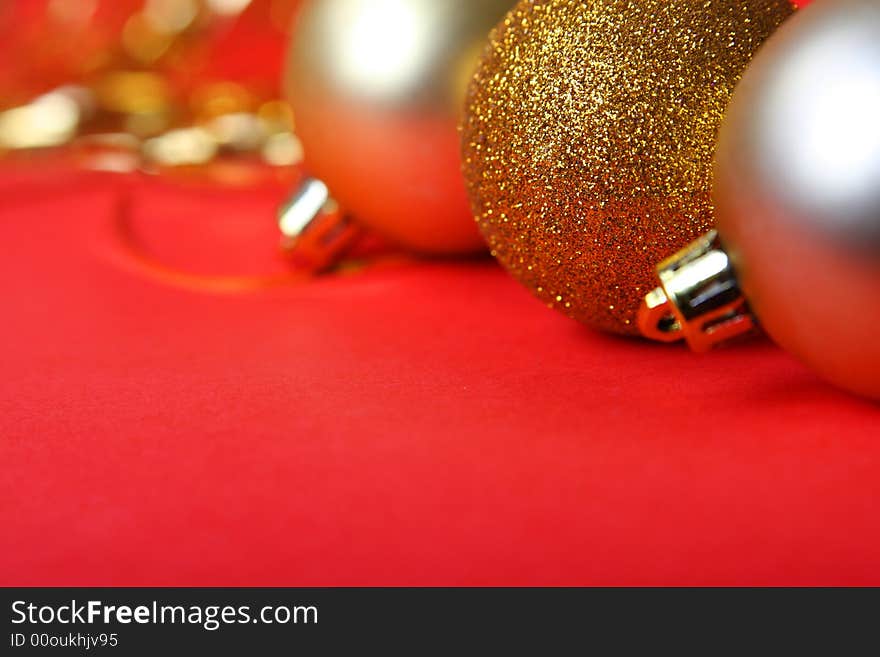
<point x="377" y="88"/>
<point x="797" y="189"/>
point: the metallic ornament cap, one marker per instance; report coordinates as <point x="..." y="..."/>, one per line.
<point x="699" y="299"/>
<point x="316" y="232"/>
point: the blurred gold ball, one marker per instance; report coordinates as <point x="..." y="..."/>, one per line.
<point x="377" y="89"/>
<point x="589" y="137"/>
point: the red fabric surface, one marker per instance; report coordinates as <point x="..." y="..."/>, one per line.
<point x="412" y="423"/>
<point x="175" y="409"/>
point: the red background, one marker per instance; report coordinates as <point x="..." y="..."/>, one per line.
<point x="176" y="410"/>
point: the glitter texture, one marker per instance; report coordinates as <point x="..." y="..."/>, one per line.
<point x="589" y="136"/>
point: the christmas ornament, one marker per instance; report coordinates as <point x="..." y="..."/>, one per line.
<point x="377" y="88"/>
<point x="798" y="205"/>
<point x="589" y="137"/>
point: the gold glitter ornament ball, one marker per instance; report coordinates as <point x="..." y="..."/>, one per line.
<point x="589" y="136"/>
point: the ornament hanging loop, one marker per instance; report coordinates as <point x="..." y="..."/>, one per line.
<point x="699" y="299"/>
